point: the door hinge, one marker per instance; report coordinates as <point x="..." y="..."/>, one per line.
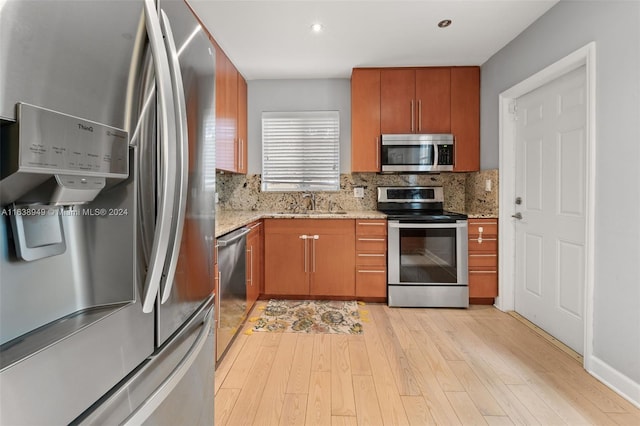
<point x="513" y="110"/>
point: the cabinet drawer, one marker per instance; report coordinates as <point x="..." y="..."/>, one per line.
<point x="483" y="261"/>
<point x="488" y="245"/>
<point x="489" y="228"/>
<point x="367" y="227"/>
<point x="371" y="259"/>
<point x="371" y="243"/>
<point x="483" y="284"/>
<point x="371" y="281"/>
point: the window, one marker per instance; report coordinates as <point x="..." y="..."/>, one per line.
<point x="301" y="151"/>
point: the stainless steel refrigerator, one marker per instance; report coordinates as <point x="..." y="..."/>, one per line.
<point x="107" y="183"/>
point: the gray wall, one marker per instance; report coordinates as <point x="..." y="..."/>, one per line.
<point x="297" y="95"/>
<point x="615" y="27"/>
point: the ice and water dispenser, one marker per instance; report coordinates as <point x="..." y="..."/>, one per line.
<point x="51" y="161"/>
<point x="67" y="228"/>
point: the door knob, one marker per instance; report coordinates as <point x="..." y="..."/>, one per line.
<point x="517" y="216"/>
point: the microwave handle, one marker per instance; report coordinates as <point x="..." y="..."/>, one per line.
<point x="435" y="155"/>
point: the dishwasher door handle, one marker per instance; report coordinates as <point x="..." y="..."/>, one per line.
<point x="224" y="243"/>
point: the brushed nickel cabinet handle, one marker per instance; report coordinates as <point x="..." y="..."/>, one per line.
<point x="412" y="118"/>
<point x="304" y="238"/>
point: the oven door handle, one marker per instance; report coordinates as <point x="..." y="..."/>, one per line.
<point x="458" y="224"/>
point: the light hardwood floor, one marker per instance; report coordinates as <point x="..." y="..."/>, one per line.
<point x="412" y="367"/>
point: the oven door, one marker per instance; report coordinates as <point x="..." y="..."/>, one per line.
<point x="428" y="254"/>
<point x="428" y="264"/>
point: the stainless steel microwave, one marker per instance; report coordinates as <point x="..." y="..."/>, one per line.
<point x="417" y="153"/>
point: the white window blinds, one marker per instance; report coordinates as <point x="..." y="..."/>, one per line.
<point x="301" y="151"/>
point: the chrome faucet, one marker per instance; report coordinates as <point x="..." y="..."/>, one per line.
<point x="312" y="197"/>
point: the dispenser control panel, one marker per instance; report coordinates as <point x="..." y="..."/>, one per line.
<point x="52" y="142"/>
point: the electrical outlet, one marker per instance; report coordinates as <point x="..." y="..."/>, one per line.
<point x="487" y="185"/>
<point x="358" y="192"/>
<point x="217" y="198"/>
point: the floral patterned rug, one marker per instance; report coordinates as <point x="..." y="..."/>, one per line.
<point x="310" y="316"/>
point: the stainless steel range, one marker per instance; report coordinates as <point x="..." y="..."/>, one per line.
<point x="427" y="248"/>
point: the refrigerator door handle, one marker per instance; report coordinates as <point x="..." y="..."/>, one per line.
<point x="183" y="154"/>
<point x="173" y="379"/>
<point x="162" y="236"/>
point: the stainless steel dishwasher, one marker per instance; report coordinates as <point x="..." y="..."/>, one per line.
<point x="232" y="293"/>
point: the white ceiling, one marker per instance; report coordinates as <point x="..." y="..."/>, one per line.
<point x="268" y="39"/>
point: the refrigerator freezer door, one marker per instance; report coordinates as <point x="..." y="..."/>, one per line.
<point x="56" y="384"/>
<point x="193" y="279"/>
<point x="176" y="386"/>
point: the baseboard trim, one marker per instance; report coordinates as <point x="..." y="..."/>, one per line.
<point x="618" y="382"/>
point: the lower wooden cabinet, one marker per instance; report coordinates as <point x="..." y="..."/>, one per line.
<point x="255" y="263"/>
<point x="309" y="257"/>
<point x="371" y="259"/>
<point x="483" y="260"/>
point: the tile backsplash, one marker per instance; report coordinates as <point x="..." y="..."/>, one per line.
<point x="464" y="192"/>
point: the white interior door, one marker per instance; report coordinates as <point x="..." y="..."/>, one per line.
<point x="550" y="187"/>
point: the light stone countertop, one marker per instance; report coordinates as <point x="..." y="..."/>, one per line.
<point x="482" y="216"/>
<point x="229" y="220"/>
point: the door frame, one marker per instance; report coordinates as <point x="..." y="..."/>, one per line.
<point x="507" y="171"/>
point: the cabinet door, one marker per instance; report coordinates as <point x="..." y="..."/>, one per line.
<point x="286" y="260"/>
<point x="483" y="260"/>
<point x="332" y="264"/>
<point x="465" y="117"/>
<point x="433" y="97"/>
<point x="397" y="101"/>
<point x="365" y="120"/>
<point x="253" y="266"/>
<point x="483" y="227"/>
<point x="226" y="96"/>
<point x="371" y="281"/>
<point x="483" y="284"/>
<point x="226" y="112"/>
<point x="259" y="261"/>
<point x="242" y="145"/>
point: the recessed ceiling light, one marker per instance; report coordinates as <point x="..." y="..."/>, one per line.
<point x="444" y="23"/>
<point x="317" y="28"/>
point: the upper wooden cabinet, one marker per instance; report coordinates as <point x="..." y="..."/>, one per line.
<point x="226" y="111"/>
<point x="415" y="100"/>
<point x="433" y="98"/>
<point x="465" y="117"/>
<point x="397" y="100"/>
<point x="365" y="120"/>
<point x="241" y="140"/>
<point x="231" y="116"/>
